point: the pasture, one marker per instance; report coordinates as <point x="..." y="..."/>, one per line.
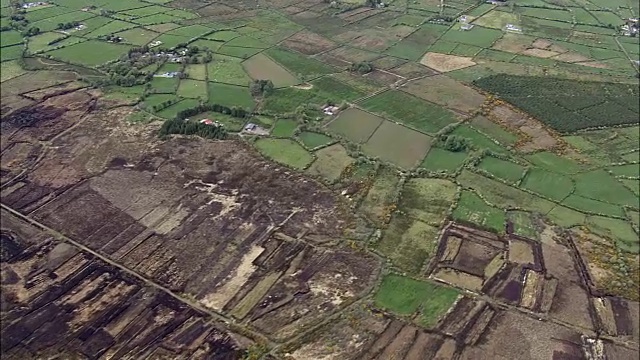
<point x="90" y="53"/>
<point x="230" y="95"/>
<point x="312" y="140"/>
<point x="330" y="162"/>
<point x="355" y="124"/>
<point x="285" y="151"/>
<point x="472" y="209"/>
<point x="442" y="160"/>
<point x="192" y="89"/>
<point x="505" y="170"/>
<point x="397" y="144"/>
<point x="261" y="67"/>
<point x="228" y="70"/>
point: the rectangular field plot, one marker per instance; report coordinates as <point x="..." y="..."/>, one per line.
<point x="196" y="71"/>
<point x="229" y="122"/>
<point x="160" y="85"/>
<point x="313" y="140"/>
<point x="299" y="64"/>
<point x="550" y="185"/>
<point x="446" y="92"/>
<point x="599" y="185"/>
<point x="172" y="111"/>
<point x="190" y="31"/>
<point x="228" y="70"/>
<point x="478" y="140"/>
<point x="285" y="100"/>
<point x="90" y="53"/>
<point x="261" y="67"/>
<point x="230" y="95"/>
<point x="442" y="160"/>
<point x="493" y="130"/>
<point x="192" y="89"/>
<point x="408" y="243"/>
<point x="138" y="36"/>
<point x="356" y="125"/>
<point x="427" y="200"/>
<point x="330" y="162"/>
<point x="338" y="90"/>
<point x="398" y="144"/>
<point x="505" y="170"/>
<point x="110" y="28"/>
<point x="410" y="110"/>
<point x="285" y="151"/>
<point x="472" y="209"/>
<point x="9" y="38"/>
<point x="381" y="196"/>
<point x="591" y="206"/>
<point x="615" y="229"/>
<point x="284" y="128"/>
<point x="477" y="36"/>
<point x="405" y="296"/>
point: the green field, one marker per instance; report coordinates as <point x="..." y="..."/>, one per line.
<point x="427" y="200"/>
<point x="285" y="151"/>
<point x="138" y="36"/>
<point x="550" y="185"/>
<point x="330" y="162"/>
<point x="11" y="52"/>
<point x="442" y="160"/>
<point x="355" y="124"/>
<point x="173" y="110"/>
<point x="227" y="70"/>
<point x="337" y="90"/>
<point x="472" y="209"/>
<point x="313" y="140"/>
<point x="523" y="224"/>
<point x="478" y="36"/>
<point x="478" y="140"/>
<point x="505" y="170"/>
<point x="9" y="38"/>
<point x="230" y="95"/>
<point x="261" y="67"/>
<point x="493" y="130"/>
<point x="286" y="100"/>
<point x="408" y="147"/>
<point x="381" y="196"/>
<point x="592" y="206"/>
<point x="41" y="41"/>
<point x="409" y="243"/>
<point x="229" y="122"/>
<point x="552" y="162"/>
<point x="196" y="71"/>
<point x="406" y="296"/>
<point x="90" y="53"/>
<point x="161" y="85"/>
<point x="618" y="230"/>
<point x="9" y="70"/>
<point x="302" y="67"/>
<point x="631" y="170"/>
<point x="192" y="89"/>
<point x="410" y="110"/>
<point x="284" y="128"/>
<point x="599" y="185"/>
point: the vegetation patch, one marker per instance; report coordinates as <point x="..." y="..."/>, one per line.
<point x="337" y="90"/>
<point x="405" y="296"/>
<point x="409" y="243"/>
<point x="398" y="144"/>
<point x="303" y="67"/>
<point x="472" y="209"/>
<point x="192" y="89"/>
<point x="505" y="170"/>
<point x="428" y="200"/>
<point x="618" y="230"/>
<point x="442" y="160"/>
<point x="355" y="124"/>
<point x="409" y="110"/>
<point x="313" y="140"/>
<point x="599" y="185"/>
<point x="228" y="70"/>
<point x="445" y="91"/>
<point x="550" y="185"/>
<point x="477" y="140"/>
<point x="592" y="206"/>
<point x="261" y="67"/>
<point x="285" y="151"/>
<point x="284" y="128"/>
<point x="330" y="162"/>
<point x="380" y="200"/>
<point x="493" y="130"/>
<point x="90" y="53"/>
<point x="230" y="95"/>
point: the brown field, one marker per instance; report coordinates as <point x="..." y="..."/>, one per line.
<point x="538" y="137"/>
<point x="352" y="55"/>
<point x="446" y="92"/>
<point x="411" y="146"/>
<point x="411" y="70"/>
<point x="308" y="43"/>
<point x="261" y="67"/>
<point x="445" y="63"/>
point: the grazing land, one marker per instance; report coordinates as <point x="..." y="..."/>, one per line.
<point x="302" y="180"/>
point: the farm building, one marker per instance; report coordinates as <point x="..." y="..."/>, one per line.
<point x="33" y="4"/>
<point x="170" y="74"/>
<point x="511" y="27"/>
<point x="466" y="27"/>
<point x="330" y="110"/>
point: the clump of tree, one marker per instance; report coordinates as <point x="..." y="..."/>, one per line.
<point x="179" y="126"/>
<point x="363" y="67"/>
<point x="233" y="111"/>
<point x="373" y="3"/>
<point x="113" y="38"/>
<point x="261" y="87"/>
<point x="453" y="143"/>
<point x="32" y="31"/>
<point x="68" y="25"/>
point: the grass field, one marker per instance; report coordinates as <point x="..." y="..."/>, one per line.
<point x="50" y="23"/>
<point x="330" y="162"/>
<point x="196" y="71"/>
<point x="409" y="243"/>
<point x="427" y="200"/>
<point x="550" y="185"/>
<point x="410" y="110"/>
<point x="9" y="70"/>
<point x="111" y="28"/>
<point x="286" y="100"/>
<point x="172" y="111"/>
<point x="261" y="67"/>
<point x="9" y="38"/>
<point x="445" y="91"/>
<point x="285" y="151"/>
<point x="630" y="170"/>
<point x="599" y="185"/>
<point x="90" y="53"/>
<point x="302" y="67"/>
<point x="160" y="85"/>
<point x="157" y="99"/>
<point x="505" y="170"/>
<point x="523" y="224"/>
<point x="11" y="52"/>
<point x="397" y="144"/>
<point x="472" y="209"/>
<point x="380" y="199"/>
<point x="406" y="296"/>
<point x="191" y="31"/>
<point x="355" y="124"/>
<point x="478" y="36"/>
<point x="503" y="196"/>
<point x="592" y="206"/>
<point x="41" y="41"/>
<point x="442" y="160"/>
<point x="138" y="36"/>
<point x="493" y="130"/>
<point x="229" y="122"/>
<point x="618" y="230"/>
<point x="228" y="70"/>
<point x="230" y="95"/>
<point x="478" y="140"/>
<point x="313" y="140"/>
<point x="337" y="90"/>
<point x="192" y="89"/>
<point x="284" y="128"/>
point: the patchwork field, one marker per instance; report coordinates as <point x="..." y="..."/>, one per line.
<point x="427" y="180"/>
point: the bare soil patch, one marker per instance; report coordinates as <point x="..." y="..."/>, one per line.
<point x="445" y="63"/>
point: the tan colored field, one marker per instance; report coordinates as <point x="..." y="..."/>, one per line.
<point x="261" y="67"/>
<point x="539" y="53"/>
<point x="445" y="91"/>
<point x="445" y="63"/>
<point x="514" y="43"/>
<point x="398" y="144"/>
